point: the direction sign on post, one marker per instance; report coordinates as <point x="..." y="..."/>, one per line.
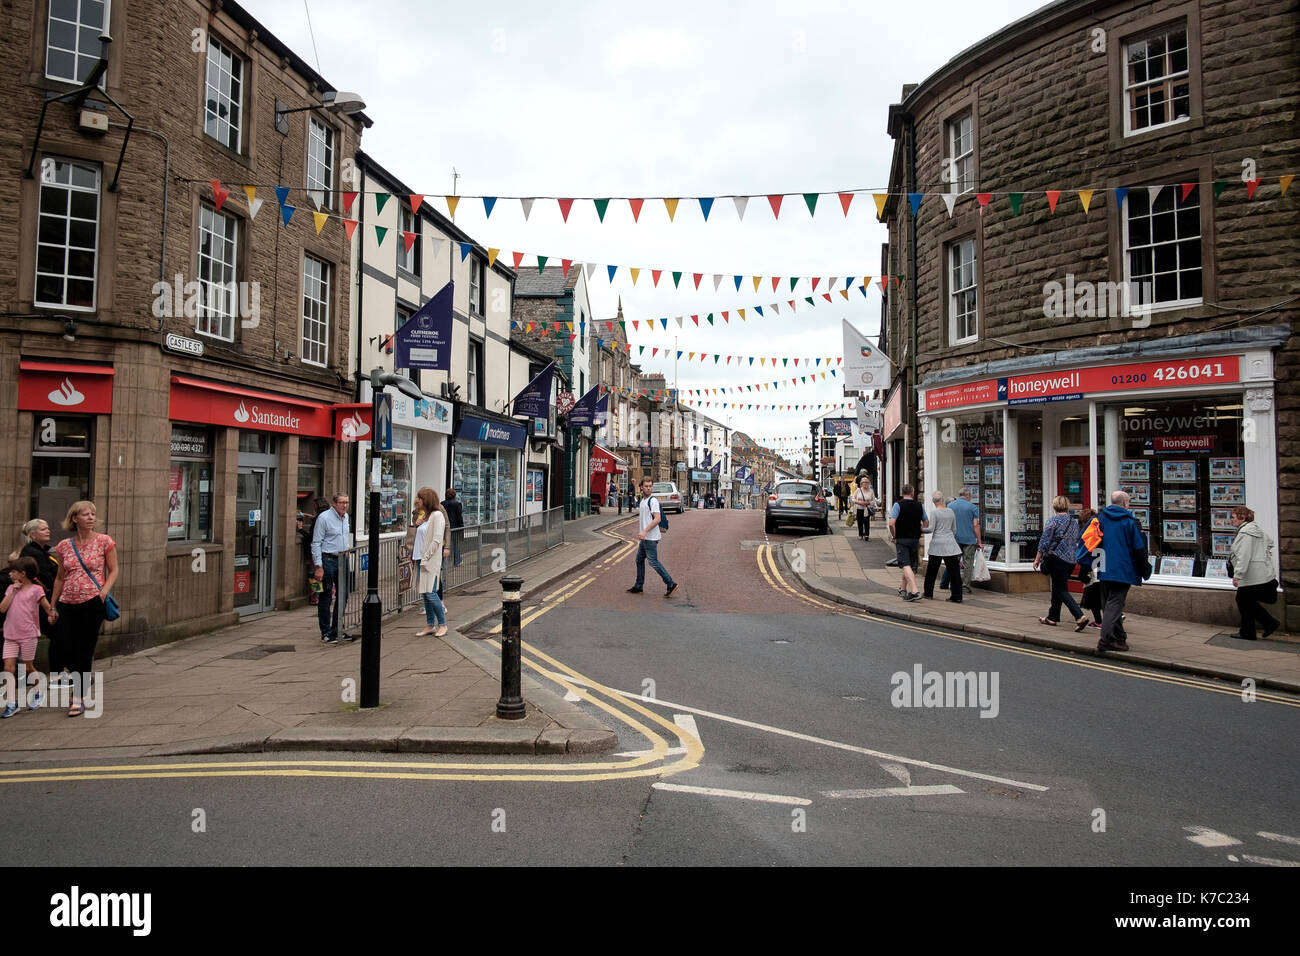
<point x="384" y="423"/>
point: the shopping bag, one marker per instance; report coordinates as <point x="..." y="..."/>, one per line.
<point x="981" y="570"/>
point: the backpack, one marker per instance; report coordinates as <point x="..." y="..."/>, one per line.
<point x="663" y="518"/>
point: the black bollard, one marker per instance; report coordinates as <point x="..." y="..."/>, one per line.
<point x="511" y="704"/>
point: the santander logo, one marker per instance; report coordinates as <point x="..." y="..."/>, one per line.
<point x="241" y="413"/>
<point x="354" y="428"/>
<point x="66" y="394"/>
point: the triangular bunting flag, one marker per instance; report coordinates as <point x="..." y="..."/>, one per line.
<point x="949" y="200"/>
<point x="408" y="239"/>
<point x="1052" y="196"/>
<point x="380" y="199"/>
<point x="286" y="213"/>
<point x="417" y="200"/>
<point x="1285" y="181"/>
<point x="698" y="277"/>
<point x="565" y="206"/>
<point x="591" y="270"/>
<point x="677" y="278"/>
<point x="811" y="200"/>
<point x="914" y="199"/>
<point x="452" y="203"/>
<point x="321" y="218"/>
<point x="489" y="203"/>
<point x="348" y="199"/>
<point x="219" y="195"/>
<point x="1251" y="186"/>
<point x="717" y="281"/>
<point x="1187" y="190"/>
<point x="636" y="208"/>
<point x="1152" y="193"/>
<point x="518" y="257"/>
<point x="601" y="205"/>
<point x="349" y="226"/>
<point x="1085" y="198"/>
<point x="281" y="194"/>
<point x="741" y="202"/>
<point x="465" y="249"/>
<point x="492" y="257"/>
<point x="380" y="233"/>
<point x="881" y="199"/>
<point x="983" y="200"/>
<point x="541" y="264"/>
<point x="775" y="203"/>
<point x="1015" y="199"/>
<point x="671" y="206"/>
<point x="635" y="274"/>
<point x="706" y="205"/>
<point x="527" y="206"/>
<point x="612" y="270"/>
<point x="655" y="274"/>
<point x="845" y="199"/>
<point x="254" y="205"/>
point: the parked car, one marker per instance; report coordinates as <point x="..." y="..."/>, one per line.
<point x="798" y="503"/>
<point x="669" y="498"/>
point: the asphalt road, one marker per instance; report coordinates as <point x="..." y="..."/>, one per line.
<point x="808" y="756"/>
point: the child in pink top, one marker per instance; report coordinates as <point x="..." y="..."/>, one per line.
<point x="22" y="627"/>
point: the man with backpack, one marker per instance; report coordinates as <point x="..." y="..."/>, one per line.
<point x="650" y="531"/>
<point x="1122" y="563"/>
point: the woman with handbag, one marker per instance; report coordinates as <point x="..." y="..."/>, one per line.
<point x="864" y="502"/>
<point x="433" y="549"/>
<point x="1252" y="573"/>
<point x="1056" y="549"/>
<point x="87" y="572"/>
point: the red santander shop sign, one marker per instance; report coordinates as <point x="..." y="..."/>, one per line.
<point x="213" y="403"/>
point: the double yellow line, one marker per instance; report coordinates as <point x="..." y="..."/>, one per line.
<point x="767" y="565"/>
<point x="627" y="712"/>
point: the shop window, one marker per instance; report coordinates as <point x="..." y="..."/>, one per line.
<point x="257" y="443"/>
<point x="61" y="469"/>
<point x="72" y="46"/>
<point x="395" y="491"/>
<point x="1183" y="465"/>
<point x="969" y="454"/>
<point x="1162" y="246"/>
<point x="189" y="487"/>
<point x="311" y="473"/>
<point x="67" y="235"/>
<point x="485" y="482"/>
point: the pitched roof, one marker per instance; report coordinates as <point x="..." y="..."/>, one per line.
<point x="551" y="282"/>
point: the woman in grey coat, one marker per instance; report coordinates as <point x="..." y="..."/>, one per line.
<point x="943" y="549"/>
<point x="1252" y="573"/>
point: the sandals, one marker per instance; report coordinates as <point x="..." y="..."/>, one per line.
<point x="1081" y="625"/>
<point x="1043" y="620"/>
<point x="77" y="709"/>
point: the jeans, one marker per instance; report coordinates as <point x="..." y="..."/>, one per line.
<point x="951" y="561"/>
<point x="328" y="616"/>
<point x="1061" y="590"/>
<point x="649" y="551"/>
<point x="434" y="613"/>
<point x="1113" y="594"/>
<point x="1250" y="600"/>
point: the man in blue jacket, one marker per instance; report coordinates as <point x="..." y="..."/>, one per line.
<point x="1121" y="563"/>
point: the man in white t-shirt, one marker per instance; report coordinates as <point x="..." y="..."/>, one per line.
<point x="649" y="533"/>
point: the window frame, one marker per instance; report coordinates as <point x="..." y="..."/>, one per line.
<point x="476" y="288"/>
<point x="67" y="218"/>
<point x="474" y="372"/>
<point x="1128" y="32"/>
<point x="405" y="214"/>
<point x="213" y="43"/>
<point x="326" y="163"/>
<point x="77" y="55"/>
<point x="951" y="155"/>
<point x="324" y="303"/>
<point x="1165" y="82"/>
<point x="950" y="292"/>
<point x="1137" y="308"/>
<point x="205" y="284"/>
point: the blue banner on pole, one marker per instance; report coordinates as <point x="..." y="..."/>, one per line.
<point x="535" y="400"/>
<point x="583" y="412"/>
<point x="424" y="340"/>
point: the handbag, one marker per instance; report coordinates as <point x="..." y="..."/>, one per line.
<point x="111" y="611"/>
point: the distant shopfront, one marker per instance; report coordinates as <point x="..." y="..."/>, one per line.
<point x="608" y="471"/>
<point x="1188" y="438"/>
<point x="487" y="466"/>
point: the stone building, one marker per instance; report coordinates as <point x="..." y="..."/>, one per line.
<point x="165" y="350"/>
<point x="552" y="315"/>
<point x="1093" y="283"/>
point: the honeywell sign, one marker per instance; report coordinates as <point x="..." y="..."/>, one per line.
<point x="215" y="403"/>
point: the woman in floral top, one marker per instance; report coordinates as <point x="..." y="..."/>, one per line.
<point x="79" y="596"/>
<point x="1056" y="547"/>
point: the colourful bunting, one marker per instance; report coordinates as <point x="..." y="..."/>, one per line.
<point x="1251" y="186"/>
<point x="881" y="199"/>
<point x="1015" y="199"/>
<point x="565" y="206"/>
<point x="350" y="226"/>
<point x="489" y="203"/>
<point x="380" y="233"/>
<point x="219" y="195"/>
<point x="1285" y="181"/>
<point x="1052" y="196"/>
<point x="527" y="206"/>
<point x="671" y="206"/>
<point x="1085" y="198"/>
<point x="706" y="205"/>
<point x="636" y="208"/>
<point x="380" y="199"/>
<point x="601" y="205"/>
<point x="775" y="203"/>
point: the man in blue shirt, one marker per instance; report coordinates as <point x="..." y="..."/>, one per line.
<point x="968" y="533"/>
<point x="329" y="540"/>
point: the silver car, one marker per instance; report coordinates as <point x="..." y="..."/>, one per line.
<point x="798" y="503"/>
<point x="669" y="498"/>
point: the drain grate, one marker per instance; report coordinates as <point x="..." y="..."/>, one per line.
<point x="258" y="652"/>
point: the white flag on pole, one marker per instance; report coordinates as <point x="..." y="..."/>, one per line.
<point x="866" y="367"/>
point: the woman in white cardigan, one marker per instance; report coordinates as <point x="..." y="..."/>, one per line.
<point x="432" y="552"/>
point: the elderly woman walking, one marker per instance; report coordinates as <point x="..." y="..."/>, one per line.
<point x="1252" y="573"/>
<point x="1056" y="557"/>
<point x="87" y="572"/>
<point x="943" y="549"/>
<point x="433" y="548"/>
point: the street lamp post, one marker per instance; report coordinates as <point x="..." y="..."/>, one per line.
<point x="372" y="610"/>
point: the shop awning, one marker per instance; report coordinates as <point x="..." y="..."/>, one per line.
<point x="215" y="403"/>
<point x="605" y="461"/>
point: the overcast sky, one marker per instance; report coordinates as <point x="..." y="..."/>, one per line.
<point x="670" y="99"/>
